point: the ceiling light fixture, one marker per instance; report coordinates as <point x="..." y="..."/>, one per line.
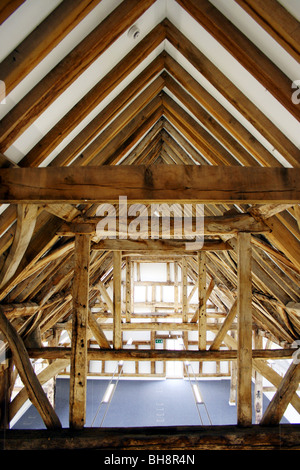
<point x="134" y="32"/>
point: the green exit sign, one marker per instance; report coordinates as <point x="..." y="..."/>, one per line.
<point x="158" y="341"/>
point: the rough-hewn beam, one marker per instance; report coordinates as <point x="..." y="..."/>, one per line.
<point x="224" y="327"/>
<point x="79" y="332"/>
<point x="212" y="225"/>
<point x="244" y="308"/>
<point x="202" y="301"/>
<point x="158" y="354"/>
<point x="26" y="219"/>
<point x="97" y="332"/>
<point x="34" y="389"/>
<point x="283" y="437"/>
<point x="163" y="246"/>
<point x="117" y="291"/>
<point x="283" y="396"/>
<point x="185" y="183"/>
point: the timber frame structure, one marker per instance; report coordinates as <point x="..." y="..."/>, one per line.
<point x="163" y="125"/>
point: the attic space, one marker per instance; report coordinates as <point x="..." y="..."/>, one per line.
<point x="149" y="225"/>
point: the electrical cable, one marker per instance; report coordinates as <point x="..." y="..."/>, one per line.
<point x="110" y="398"/>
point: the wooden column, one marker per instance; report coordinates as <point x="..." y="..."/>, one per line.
<point x="78" y="373"/>
<point x="117" y="289"/>
<point x="202" y="300"/>
<point x="258" y="389"/>
<point x="184" y="289"/>
<point x="128" y="289"/>
<point x="175" y="286"/>
<point x="244" y="356"/>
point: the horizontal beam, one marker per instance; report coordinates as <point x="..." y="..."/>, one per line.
<point x="118" y="227"/>
<point x="283" y="437"/>
<point x="160" y="246"/>
<point x="186" y="183"/>
<point x="157" y="354"/>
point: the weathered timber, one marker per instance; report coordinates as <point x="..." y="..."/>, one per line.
<point x="232" y="39"/>
<point x="157" y="354"/>
<point x="223" y="84"/>
<point x="98" y="333"/>
<point x="283" y="437"/>
<point x="224" y="327"/>
<point x="244" y="309"/>
<point x="160" y="246"/>
<point x="212" y="225"/>
<point x="42" y="40"/>
<point x="26" y="219"/>
<point x="79" y="332"/>
<point x="202" y="316"/>
<point x="57" y="81"/>
<point x="185" y="183"/>
<point x="283" y="396"/>
<point x="117" y="292"/>
<point x="34" y="389"/>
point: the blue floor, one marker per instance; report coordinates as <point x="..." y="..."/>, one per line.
<point x="144" y="403"/>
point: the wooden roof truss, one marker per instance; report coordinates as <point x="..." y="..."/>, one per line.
<point x="162" y="139"/>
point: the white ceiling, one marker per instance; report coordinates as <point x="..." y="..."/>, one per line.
<point x="32" y="12"/>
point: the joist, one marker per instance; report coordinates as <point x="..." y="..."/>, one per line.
<point x="185" y="183"/>
<point x="211" y="225"/>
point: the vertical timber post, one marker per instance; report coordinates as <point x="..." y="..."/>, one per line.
<point x="184" y="289"/>
<point x="244" y="356"/>
<point x="78" y="373"/>
<point x="128" y="297"/>
<point x="117" y="286"/>
<point x="202" y="300"/>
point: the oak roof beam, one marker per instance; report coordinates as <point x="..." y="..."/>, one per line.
<point x="57" y="80"/>
<point x="244" y="51"/>
<point x="185" y="183"/>
<point x="277" y="21"/>
<point x="27" y="55"/>
<point x="233" y="94"/>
